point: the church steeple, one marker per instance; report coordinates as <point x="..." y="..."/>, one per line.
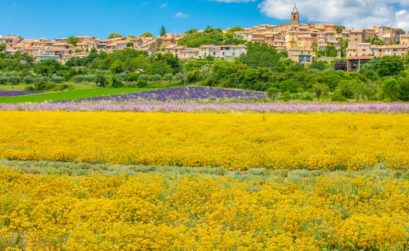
<point x="295" y="16"/>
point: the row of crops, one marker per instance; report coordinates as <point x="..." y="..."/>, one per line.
<point x="203" y="169"/>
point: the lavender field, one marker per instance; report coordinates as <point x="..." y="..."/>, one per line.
<point x="17" y="93"/>
<point x="182" y="94"/>
<point x="199" y="99"/>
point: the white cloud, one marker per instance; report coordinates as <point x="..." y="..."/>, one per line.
<point x="181" y="15"/>
<point x="163" y="5"/>
<point x="352" y="13"/>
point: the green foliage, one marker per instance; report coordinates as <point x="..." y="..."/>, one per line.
<point x="156" y="77"/>
<point x="210" y="35"/>
<point x="319" y="65"/>
<point x="232" y="30"/>
<point x="390" y="66"/>
<point x="114" y="35"/>
<point x="116" y="82"/>
<point x="328" y="51"/>
<point x="48" y="67"/>
<point x="340" y="28"/>
<point x="83" y="78"/>
<point x="3" y="47"/>
<point x="147" y="34"/>
<point x="28" y="79"/>
<point x="117" y="67"/>
<point x="273" y="92"/>
<point x="194" y="76"/>
<point x="390" y="89"/>
<point x="101" y="80"/>
<point x="162" y="31"/>
<point x="73" y="40"/>
<point x="377" y="41"/>
<point x="262" y="55"/>
<point x="320" y="90"/>
<point x="142" y="83"/>
<point x="404" y="88"/>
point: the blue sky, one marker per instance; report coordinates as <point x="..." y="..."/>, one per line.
<point x="60" y="18"/>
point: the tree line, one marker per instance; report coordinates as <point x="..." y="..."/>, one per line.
<point x="261" y="69"/>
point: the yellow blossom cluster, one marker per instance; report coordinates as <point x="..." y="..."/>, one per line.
<point x="234" y="140"/>
<point x="174" y="211"/>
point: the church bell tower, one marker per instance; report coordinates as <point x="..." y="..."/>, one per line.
<point x="295" y="16"/>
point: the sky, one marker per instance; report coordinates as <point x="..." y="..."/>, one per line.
<point x="62" y="18"/>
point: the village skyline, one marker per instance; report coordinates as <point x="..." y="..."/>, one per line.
<point x="57" y="19"/>
<point x="303" y="43"/>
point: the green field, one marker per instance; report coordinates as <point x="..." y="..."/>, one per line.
<point x="70" y="95"/>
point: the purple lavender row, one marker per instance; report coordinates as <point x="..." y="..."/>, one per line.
<point x="181" y="94"/>
<point x="17" y="93"/>
<point x="220" y="107"/>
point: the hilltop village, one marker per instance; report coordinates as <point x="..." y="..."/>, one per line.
<point x="303" y="43"/>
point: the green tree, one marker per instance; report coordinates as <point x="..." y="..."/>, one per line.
<point x="345" y="89"/>
<point x="116" y="82"/>
<point x="210" y="35"/>
<point x="114" y="35"/>
<point x="232" y="30"/>
<point x="377" y="41"/>
<point x="101" y="80"/>
<point x="73" y="40"/>
<point x="3" y="47"/>
<point x="328" y="51"/>
<point x="147" y="34"/>
<point x="404" y="88"/>
<point x="340" y="28"/>
<point x="320" y="90"/>
<point x="359" y="89"/>
<point x="117" y="67"/>
<point x="273" y="92"/>
<point x="390" y="66"/>
<point x="262" y="55"/>
<point x="160" y="67"/>
<point x="390" y="89"/>
<point x="162" y="31"/>
<point x="47" y="67"/>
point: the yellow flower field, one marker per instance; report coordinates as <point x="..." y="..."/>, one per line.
<point x="298" y="210"/>
<point x="235" y="141"/>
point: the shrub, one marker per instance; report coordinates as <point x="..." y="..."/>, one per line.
<point x="14" y="80"/>
<point x="156" y="77"/>
<point x="404" y="89"/>
<point x="116" y="82"/>
<point x="28" y="79"/>
<point x="273" y="92"/>
<point x="3" y="80"/>
<point x="168" y="77"/>
<point x="390" y="89"/>
<point x="143" y="77"/>
<point x="57" y="79"/>
<point x="194" y="76"/>
<point x="101" y="80"/>
<point x="131" y="77"/>
<point x="338" y="97"/>
<point x="179" y="76"/>
<point x="142" y="83"/>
